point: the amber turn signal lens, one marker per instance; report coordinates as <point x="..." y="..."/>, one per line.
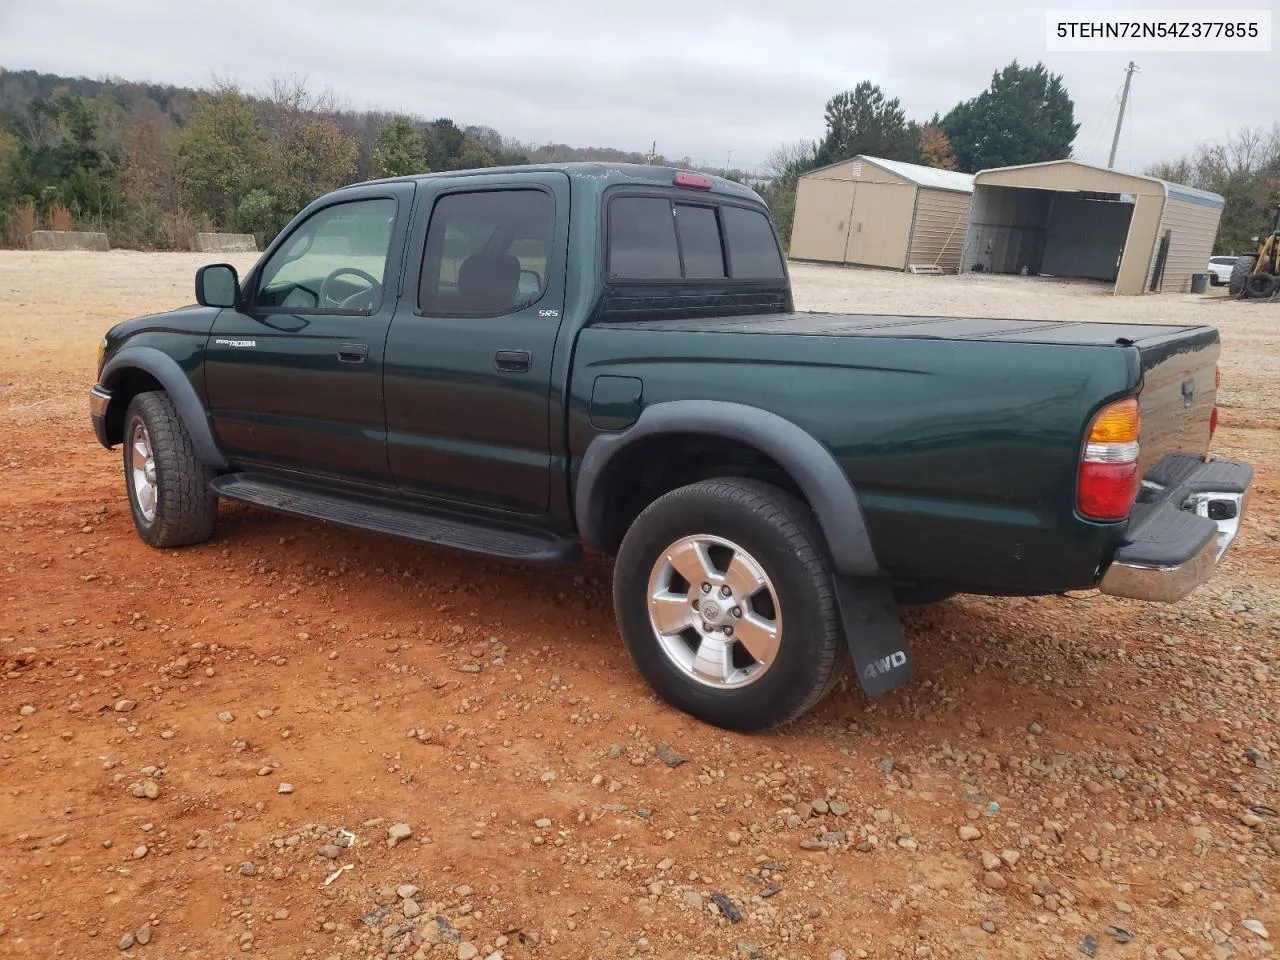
<point x="1118" y="423"/>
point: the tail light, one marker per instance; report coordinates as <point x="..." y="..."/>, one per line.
<point x="684" y="178"/>
<point x="1213" y="416"/>
<point x="1108" y="480"/>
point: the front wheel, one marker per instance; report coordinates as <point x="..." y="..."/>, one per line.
<point x="167" y="483"/>
<point x="725" y="599"/>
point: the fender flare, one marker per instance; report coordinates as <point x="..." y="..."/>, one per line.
<point x="177" y="385"/>
<point x="810" y="464"/>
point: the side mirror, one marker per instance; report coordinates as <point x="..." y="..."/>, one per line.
<point x="217" y="285"/>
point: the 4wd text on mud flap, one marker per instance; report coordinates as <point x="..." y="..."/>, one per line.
<point x="880" y="667"/>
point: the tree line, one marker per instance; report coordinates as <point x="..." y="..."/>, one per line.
<point x="1025" y="115"/>
<point x="152" y="164"/>
<point x="1245" y="170"/>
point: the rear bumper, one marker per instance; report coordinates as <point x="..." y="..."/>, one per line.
<point x="99" y="400"/>
<point x="1187" y="514"/>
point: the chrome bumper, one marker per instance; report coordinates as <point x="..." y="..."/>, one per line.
<point x="1184" y="527"/>
<point x="99" y="400"/>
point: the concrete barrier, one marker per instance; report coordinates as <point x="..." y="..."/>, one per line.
<point x="67" y="240"/>
<point x="225" y="243"/>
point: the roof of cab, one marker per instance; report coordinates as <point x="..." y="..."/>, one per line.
<point x="605" y="174"/>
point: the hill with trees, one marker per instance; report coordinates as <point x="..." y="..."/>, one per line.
<point x="152" y="164"/>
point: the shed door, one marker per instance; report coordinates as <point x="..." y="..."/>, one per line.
<point x="821" y="226"/>
<point x="880" y="225"/>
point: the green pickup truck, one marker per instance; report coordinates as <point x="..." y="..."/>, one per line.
<point x="519" y="362"/>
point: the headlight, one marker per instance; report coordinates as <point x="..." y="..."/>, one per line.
<point x="102" y="348"/>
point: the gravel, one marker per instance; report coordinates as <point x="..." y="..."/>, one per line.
<point x="1106" y="751"/>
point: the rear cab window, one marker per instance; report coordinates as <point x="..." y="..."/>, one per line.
<point x="705" y="238"/>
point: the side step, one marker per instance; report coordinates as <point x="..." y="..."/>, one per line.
<point x="491" y="538"/>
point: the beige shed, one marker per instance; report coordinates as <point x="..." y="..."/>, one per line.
<point x="881" y="213"/>
<point x="1064" y="218"/>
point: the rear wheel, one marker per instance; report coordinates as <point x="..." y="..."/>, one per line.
<point x="725" y="600"/>
<point x="1240" y="275"/>
<point x="168" y="485"/>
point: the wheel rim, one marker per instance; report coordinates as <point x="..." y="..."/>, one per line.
<point x="714" y="611"/>
<point x="142" y="471"/>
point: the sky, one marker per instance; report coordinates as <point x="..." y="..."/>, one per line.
<point x="723" y="82"/>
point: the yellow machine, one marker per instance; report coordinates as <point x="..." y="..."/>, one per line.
<point x="1258" y="277"/>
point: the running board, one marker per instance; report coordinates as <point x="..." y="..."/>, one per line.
<point x="490" y="538"/>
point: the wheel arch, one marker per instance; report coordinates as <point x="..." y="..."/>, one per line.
<point x="136" y="370"/>
<point x="806" y="463"/>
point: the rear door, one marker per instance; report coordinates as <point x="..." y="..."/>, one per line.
<point x="294" y="378"/>
<point x="468" y="372"/>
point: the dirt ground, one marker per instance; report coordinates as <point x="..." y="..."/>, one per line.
<point x="1067" y="777"/>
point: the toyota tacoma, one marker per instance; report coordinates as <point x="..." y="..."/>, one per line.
<point x="521" y="362"/>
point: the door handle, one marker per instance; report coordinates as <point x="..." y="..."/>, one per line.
<point x="353" y="352"/>
<point x="512" y="361"/>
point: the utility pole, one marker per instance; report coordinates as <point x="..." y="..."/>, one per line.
<point x="1124" y="99"/>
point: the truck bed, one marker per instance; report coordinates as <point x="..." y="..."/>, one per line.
<point x="933" y="328"/>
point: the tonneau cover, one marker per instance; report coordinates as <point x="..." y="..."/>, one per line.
<point x="934" y="328"/>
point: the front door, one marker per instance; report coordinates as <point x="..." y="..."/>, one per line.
<point x="469" y="354"/>
<point x="294" y="377"/>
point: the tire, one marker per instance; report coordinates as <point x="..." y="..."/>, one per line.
<point x="183" y="511"/>
<point x="1262" y="285"/>
<point x="1240" y="275"/>
<point x="779" y="536"/>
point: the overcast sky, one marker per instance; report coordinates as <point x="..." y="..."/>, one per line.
<point x="710" y="79"/>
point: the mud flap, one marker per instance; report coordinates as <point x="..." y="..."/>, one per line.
<point x="873" y="631"/>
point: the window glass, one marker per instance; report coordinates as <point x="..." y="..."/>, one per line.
<point x="487" y="252"/>
<point x="753" y="252"/>
<point x="642" y="239"/>
<point x="699" y="242"/>
<point x="336" y="260"/>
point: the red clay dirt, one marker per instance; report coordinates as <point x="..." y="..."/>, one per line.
<point x="1114" y="763"/>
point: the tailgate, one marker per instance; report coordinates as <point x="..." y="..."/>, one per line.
<point x="1179" y="389"/>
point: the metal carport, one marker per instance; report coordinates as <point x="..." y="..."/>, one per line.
<point x="1064" y="218"/>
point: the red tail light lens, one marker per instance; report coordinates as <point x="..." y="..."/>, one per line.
<point x="1106" y="490"/>
<point x="1108" y="480"/>
<point x="1217" y="385"/>
<point x="684" y="178"/>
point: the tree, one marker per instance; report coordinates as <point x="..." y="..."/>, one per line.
<point x="862" y="121"/>
<point x="399" y="150"/>
<point x="472" y="156"/>
<point x="311" y="157"/>
<point x="786" y="165"/>
<point x="1025" y="116"/>
<point x="219" y="155"/>
<point x="935" y="148"/>
<point x="1245" y="171"/>
<point x="61" y="161"/>
<point x="793" y="159"/>
<point x="444" y="142"/>
<point x="10" y="158"/>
